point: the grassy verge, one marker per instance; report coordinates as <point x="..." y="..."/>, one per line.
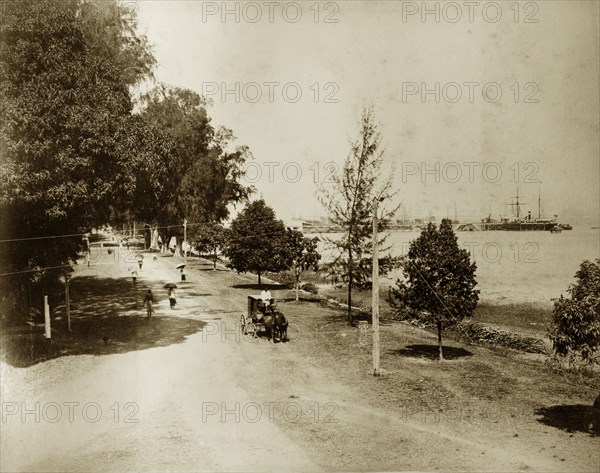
<point x="529" y="320"/>
<point x="521" y="326"/>
<point x="508" y="384"/>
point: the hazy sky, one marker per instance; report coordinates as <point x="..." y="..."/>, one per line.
<point x="472" y="103"/>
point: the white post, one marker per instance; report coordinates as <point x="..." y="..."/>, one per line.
<point x="67" y="302"/>
<point x="47" y="318"/>
<point x="375" y="296"/>
<point x="184" y="241"/>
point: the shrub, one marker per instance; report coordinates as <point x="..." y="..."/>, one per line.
<point x="310" y="287"/>
<point x="575" y="324"/>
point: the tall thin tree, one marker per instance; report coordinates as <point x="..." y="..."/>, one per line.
<point x="349" y="201"/>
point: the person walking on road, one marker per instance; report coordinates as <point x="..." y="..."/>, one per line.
<point x="148" y="301"/>
<point x="172" y="298"/>
<point x="140" y="260"/>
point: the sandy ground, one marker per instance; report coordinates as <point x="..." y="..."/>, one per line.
<point x="219" y="401"/>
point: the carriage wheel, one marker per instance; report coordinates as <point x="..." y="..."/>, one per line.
<point x="253" y="328"/>
<point x="243" y="324"/>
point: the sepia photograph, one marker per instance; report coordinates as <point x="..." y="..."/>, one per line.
<point x="299" y="236"/>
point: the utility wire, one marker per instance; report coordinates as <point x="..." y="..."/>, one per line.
<point x="43" y="237"/>
<point x="37" y="269"/>
<point x="83" y="234"/>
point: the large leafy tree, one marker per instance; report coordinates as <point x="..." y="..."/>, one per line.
<point x="182" y="115"/>
<point x="439" y="285"/>
<point x="349" y="202"/>
<point x="213" y="182"/>
<point x="257" y="241"/>
<point x="206" y="174"/>
<point x="142" y="180"/>
<point x="110" y="31"/>
<point x="64" y="102"/>
<point x="575" y="324"/>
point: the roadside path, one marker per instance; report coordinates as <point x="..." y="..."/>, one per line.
<point x="174" y="393"/>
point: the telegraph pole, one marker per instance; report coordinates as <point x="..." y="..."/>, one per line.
<point x="375" y="296"/>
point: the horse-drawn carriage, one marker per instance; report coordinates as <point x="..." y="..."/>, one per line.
<point x="263" y="317"/>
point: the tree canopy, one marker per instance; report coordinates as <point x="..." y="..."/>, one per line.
<point x="76" y="155"/>
<point x="206" y="174"/>
<point x="439" y="285"/>
<point x="575" y="324"/>
<point x="65" y="106"/>
<point x="256" y="241"/>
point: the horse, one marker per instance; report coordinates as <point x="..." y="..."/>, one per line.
<point x="280" y="327"/>
<point x="276" y="326"/>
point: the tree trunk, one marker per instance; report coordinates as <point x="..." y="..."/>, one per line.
<point x="166" y="239"/>
<point x="297" y="287"/>
<point x="215" y="256"/>
<point x="350" y="286"/>
<point x="439" y="328"/>
<point x="259" y="278"/>
<point x="147" y="237"/>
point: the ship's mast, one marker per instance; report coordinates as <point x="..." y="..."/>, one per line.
<point x="517" y="204"/>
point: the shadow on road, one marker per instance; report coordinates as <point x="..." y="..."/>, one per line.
<point x="431" y="352"/>
<point x="259" y="287"/>
<point x="572" y="418"/>
<point x="107" y="317"/>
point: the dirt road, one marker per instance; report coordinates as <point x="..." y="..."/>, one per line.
<point x="218" y="401"/>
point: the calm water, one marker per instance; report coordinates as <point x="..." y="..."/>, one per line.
<point x="515" y="266"/>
